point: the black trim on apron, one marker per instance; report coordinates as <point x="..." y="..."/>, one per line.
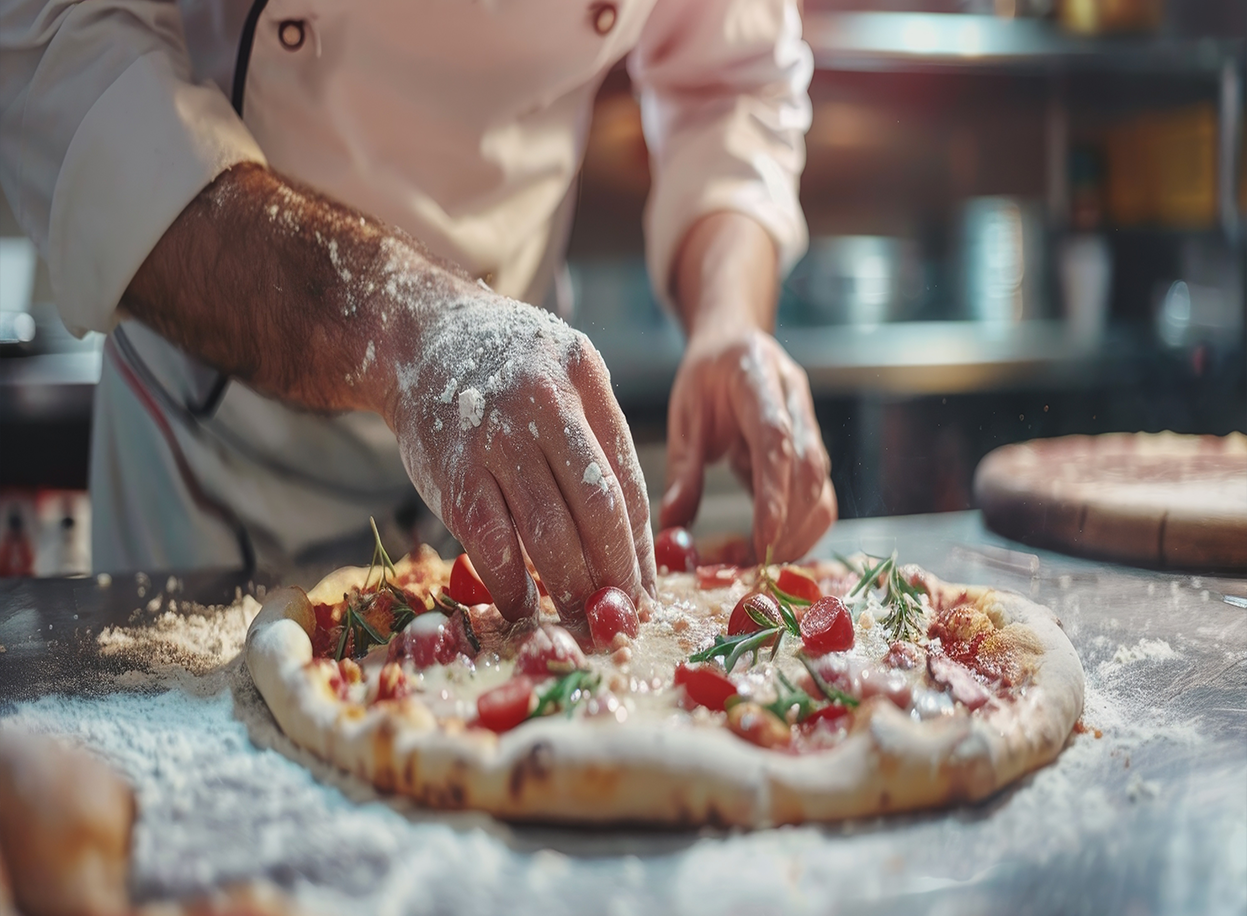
<point x="245" y="42"/>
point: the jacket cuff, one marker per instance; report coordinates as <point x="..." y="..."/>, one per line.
<point x="145" y="149"/>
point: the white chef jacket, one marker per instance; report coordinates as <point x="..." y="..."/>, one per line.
<point x="461" y="121"/>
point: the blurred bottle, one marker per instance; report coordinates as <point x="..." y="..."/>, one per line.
<point x="1162" y="169"/>
<point x="17" y="556"/>
<point x="1101" y="17"/>
<point x="1084" y="258"/>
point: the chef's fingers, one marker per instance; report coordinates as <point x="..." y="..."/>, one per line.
<point x="485" y="529"/>
<point x="545" y="525"/>
<point x="815" y="519"/>
<point x="762" y="415"/>
<point x="611" y="430"/>
<point x="811" y="501"/>
<point x="686" y="454"/>
<point x="587" y="479"/>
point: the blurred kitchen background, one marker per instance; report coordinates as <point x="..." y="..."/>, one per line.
<point x="1027" y="218"/>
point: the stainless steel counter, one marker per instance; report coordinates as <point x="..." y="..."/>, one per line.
<point x="1146" y="812"/>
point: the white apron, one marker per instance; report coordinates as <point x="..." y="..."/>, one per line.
<point x="468" y="135"/>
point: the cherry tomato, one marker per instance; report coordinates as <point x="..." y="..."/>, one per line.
<point x="704" y="685"/>
<point x="830" y="716"/>
<point x="741" y="622"/>
<point x="798" y="584"/>
<point x="827" y="627"/>
<point x="505" y="706"/>
<point x="427" y="640"/>
<point x="674" y="551"/>
<point x="610" y="611"/>
<point x="548" y="651"/>
<point x="720" y="575"/>
<point x="466" y="586"/>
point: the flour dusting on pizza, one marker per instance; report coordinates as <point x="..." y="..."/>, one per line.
<point x="744" y="696"/>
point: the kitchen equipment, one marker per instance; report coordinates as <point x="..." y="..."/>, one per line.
<point x="861" y="280"/>
<point x="1002" y="259"/>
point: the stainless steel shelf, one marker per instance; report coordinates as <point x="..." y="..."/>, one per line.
<point x="924" y="41"/>
<point x="903" y="358"/>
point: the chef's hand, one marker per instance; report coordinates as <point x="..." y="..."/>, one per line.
<point x="510" y="432"/>
<point x="737" y="393"/>
<point x="504" y="415"/>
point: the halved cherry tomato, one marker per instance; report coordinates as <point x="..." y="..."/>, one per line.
<point x="610" y="611"/>
<point x="549" y="650"/>
<point x="741" y="622"/>
<point x="720" y="575"/>
<point x="674" y="551"/>
<point x="830" y="715"/>
<point x="466" y="586"/>
<point x="827" y="627"/>
<point x="503" y="707"/>
<point x="704" y="685"/>
<point x="799" y="584"/>
<point x="432" y="638"/>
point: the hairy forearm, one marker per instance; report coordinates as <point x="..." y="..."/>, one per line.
<point x="292" y="293"/>
<point x="726" y="276"/>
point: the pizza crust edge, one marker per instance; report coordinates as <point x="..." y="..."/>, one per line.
<point x="660" y="773"/>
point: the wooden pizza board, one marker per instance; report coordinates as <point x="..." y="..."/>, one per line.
<point x="1155" y="499"/>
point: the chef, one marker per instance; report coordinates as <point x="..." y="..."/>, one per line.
<point x="310" y="228"/>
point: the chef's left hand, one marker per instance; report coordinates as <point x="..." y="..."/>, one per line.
<point x="737" y="393"/>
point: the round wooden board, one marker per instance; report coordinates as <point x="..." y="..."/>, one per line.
<point x="1156" y="499"/>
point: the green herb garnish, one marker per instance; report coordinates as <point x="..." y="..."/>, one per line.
<point x="360" y="602"/>
<point x="792" y="699"/>
<point x="831" y="693"/>
<point x="902" y="600"/>
<point x="732" y="648"/>
<point x="565" y="693"/>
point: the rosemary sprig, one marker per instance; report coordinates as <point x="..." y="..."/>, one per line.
<point x="792" y="699"/>
<point x="831" y="693"/>
<point x="361" y="602"/>
<point x="565" y="693"/>
<point x="902" y="600"/>
<point x="732" y="648"/>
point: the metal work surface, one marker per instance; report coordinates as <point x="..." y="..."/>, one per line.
<point x="1144" y="812"/>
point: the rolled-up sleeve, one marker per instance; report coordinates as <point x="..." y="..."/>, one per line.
<point x="104" y="139"/>
<point x="724" y="89"/>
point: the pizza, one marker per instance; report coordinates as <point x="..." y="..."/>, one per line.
<point x="742" y="696"/>
<point x="1159" y="499"/>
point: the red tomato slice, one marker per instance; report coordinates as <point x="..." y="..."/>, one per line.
<point x="466" y="586"/>
<point x="392" y="682"/>
<point x="827" y="627"/>
<point x="799" y="584"/>
<point x="830" y="715"/>
<point x="741" y="622"/>
<point x="720" y="575"/>
<point x="505" y="706"/>
<point x="704" y="685"/>
<point x="610" y="611"/>
<point x="674" y="551"/>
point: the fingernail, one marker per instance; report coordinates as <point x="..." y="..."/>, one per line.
<point x="672" y="494"/>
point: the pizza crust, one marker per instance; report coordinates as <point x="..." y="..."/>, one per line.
<point x="670" y="771"/>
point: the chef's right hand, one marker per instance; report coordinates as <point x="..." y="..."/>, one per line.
<point x="510" y="432"/>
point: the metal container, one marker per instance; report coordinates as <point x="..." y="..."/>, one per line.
<point x="859" y="279"/>
<point x="1002" y="259"/>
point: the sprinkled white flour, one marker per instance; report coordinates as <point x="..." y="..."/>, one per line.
<point x="593" y="474"/>
<point x="471" y="408"/>
<point x="1144" y="649"/>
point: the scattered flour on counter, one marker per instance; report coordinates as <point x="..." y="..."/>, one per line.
<point x="1144" y="649"/>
